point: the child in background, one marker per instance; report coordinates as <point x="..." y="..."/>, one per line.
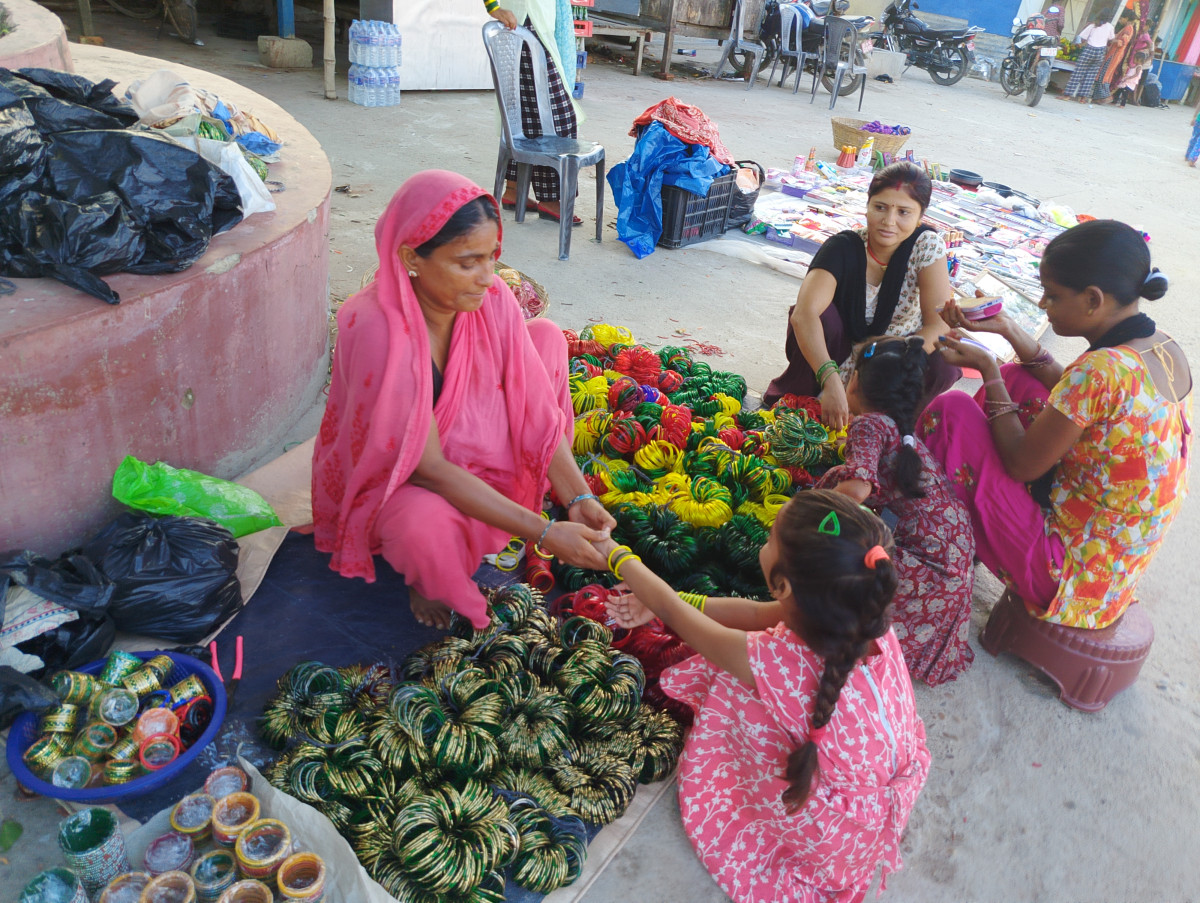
<point x="807" y="754"/>
<point x="887" y="467"/>
<point x="1193" y="148"/>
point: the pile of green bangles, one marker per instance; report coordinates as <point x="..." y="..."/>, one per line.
<point x="481" y="759"/>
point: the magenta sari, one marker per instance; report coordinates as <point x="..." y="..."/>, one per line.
<point x="503" y="409"/>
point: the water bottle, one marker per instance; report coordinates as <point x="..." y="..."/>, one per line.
<point x="354" y="91"/>
<point x="395" y="85"/>
<point x="354" y="38"/>
<point x="376" y="44"/>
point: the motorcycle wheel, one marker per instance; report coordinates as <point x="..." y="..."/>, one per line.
<point x="740" y="63"/>
<point x="951" y="68"/>
<point x="1035" y="94"/>
<point x="850" y="84"/>
<point x="1010" y="78"/>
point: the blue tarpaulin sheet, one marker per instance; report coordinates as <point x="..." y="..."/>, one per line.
<point x="658" y="159"/>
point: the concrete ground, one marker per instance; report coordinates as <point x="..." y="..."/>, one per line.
<point x="1028" y="800"/>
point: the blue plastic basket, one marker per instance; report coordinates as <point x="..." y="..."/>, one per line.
<point x="24" y="732"/>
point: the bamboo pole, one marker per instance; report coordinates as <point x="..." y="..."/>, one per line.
<point x="330" y="52"/>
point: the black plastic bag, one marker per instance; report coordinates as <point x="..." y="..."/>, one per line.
<point x="78" y="90"/>
<point x="176" y="577"/>
<point x="72" y="644"/>
<point x="21" y="693"/>
<point x="81" y="197"/>
<point x="72" y="581"/>
<point x="741" y="205"/>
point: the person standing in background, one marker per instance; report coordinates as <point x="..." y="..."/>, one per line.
<point x="1095" y="39"/>
<point x="550" y="21"/>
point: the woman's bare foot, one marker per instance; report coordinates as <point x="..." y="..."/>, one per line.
<point x="429" y="612"/>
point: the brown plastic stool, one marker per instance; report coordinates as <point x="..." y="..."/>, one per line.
<point x="1089" y="666"/>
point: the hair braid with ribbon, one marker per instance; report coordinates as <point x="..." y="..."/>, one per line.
<point x="835" y="556"/>
<point x="891" y="378"/>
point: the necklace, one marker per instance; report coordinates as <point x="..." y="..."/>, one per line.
<point x="873" y="257"/>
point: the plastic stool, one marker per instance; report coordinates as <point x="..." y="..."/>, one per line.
<point x="1089" y="666"/>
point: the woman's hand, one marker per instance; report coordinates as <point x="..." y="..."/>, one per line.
<point x="591" y="513"/>
<point x="504" y="16"/>
<point x="572" y="543"/>
<point x="953" y="317"/>
<point x="835" y="409"/>
<point x="955" y="350"/>
<point x="626" y="609"/>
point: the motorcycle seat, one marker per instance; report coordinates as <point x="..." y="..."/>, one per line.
<point x="937" y="34"/>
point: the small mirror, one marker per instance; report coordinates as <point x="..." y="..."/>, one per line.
<point x="1017" y="20"/>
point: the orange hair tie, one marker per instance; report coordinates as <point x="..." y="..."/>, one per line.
<point x="874" y="555"/>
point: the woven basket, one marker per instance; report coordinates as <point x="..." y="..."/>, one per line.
<point x="849" y="131"/>
<point x="531" y="294"/>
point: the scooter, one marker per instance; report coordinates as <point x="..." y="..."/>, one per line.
<point x="1026" y="69"/>
<point x="942" y="53"/>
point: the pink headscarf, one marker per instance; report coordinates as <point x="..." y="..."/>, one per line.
<point x="381" y="397"/>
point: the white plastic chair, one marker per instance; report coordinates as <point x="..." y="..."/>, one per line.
<point x="790" y="45"/>
<point x="737" y="43"/>
<point x="839" y="51"/>
<point x="566" y="155"/>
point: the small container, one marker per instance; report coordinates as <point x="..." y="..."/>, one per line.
<point x="213" y="874"/>
<point x="94" y="847"/>
<point x="115" y="705"/>
<point x="124" y="750"/>
<point x="192" y="816"/>
<point x="44" y="754"/>
<point x="54" y="886"/>
<point x="161" y="665"/>
<point x="95" y="740"/>
<point x="226" y="780"/>
<point x="170" y="852"/>
<point x="155" y="721"/>
<point x="248" y="892"/>
<point x="301" y="878"/>
<point x="186" y="690"/>
<point x="143" y="681"/>
<point x="232" y="815"/>
<point x="119" y="666"/>
<point x="75" y="688"/>
<point x="121" y="771"/>
<point x="125" y="888"/>
<point x="72" y="773"/>
<point x="169" y="887"/>
<point x="158" y="751"/>
<point x="981" y="308"/>
<point x="262" y="847"/>
<point x="62" y="719"/>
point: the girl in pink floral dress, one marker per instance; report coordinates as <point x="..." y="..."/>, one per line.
<point x="887" y="467"/>
<point x="807" y="754"/>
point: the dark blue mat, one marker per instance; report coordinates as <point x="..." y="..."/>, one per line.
<point x="303" y="610"/>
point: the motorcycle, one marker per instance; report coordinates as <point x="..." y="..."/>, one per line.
<point x="769" y="36"/>
<point x="1026" y="69"/>
<point x="942" y="53"/>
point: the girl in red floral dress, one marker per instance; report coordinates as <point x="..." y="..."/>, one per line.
<point x="887" y="467"/>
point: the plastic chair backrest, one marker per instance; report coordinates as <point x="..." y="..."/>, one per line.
<point x="841" y="37"/>
<point x="791" y="24"/>
<point x="504" y="54"/>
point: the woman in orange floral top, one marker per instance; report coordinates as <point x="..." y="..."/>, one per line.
<point x="1109" y="433"/>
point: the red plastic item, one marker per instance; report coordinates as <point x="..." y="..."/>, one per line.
<point x="1089" y="666"/>
<point x="583" y="28"/>
<point x="583" y="2"/>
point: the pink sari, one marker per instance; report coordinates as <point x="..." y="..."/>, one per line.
<point x="502" y="411"/>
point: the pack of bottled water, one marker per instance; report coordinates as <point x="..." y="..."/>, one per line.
<point x="375" y="61"/>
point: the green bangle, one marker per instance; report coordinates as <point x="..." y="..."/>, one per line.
<point x="491" y="5"/>
<point x="617" y="550"/>
<point x="823" y="372"/>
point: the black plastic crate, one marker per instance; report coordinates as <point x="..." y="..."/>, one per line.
<point x="688" y="219"/>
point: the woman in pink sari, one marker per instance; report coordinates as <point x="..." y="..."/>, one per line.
<point x="448" y="416"/>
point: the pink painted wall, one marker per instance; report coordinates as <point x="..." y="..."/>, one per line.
<point x="205" y="369"/>
<point x="39" y="38"/>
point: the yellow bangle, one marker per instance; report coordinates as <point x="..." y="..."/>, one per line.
<point x="616" y="550"/>
<point x="695" y="600"/>
<point x="616" y="568"/>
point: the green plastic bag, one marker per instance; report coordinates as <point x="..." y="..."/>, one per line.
<point x="162" y="489"/>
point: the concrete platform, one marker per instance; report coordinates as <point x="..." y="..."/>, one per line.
<point x="206" y="369"/>
<point x="38" y="38"/>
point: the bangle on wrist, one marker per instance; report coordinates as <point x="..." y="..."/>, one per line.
<point x="537" y="546"/>
<point x="824" y="371"/>
<point x="616" y="568"/>
<point x="617" y="550"/>
<point x="580" y="498"/>
<point x="695" y="600"/>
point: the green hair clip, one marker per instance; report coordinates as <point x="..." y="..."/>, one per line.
<point x="830" y="525"/>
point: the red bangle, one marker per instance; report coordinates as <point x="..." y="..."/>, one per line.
<point x="156" y="744"/>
